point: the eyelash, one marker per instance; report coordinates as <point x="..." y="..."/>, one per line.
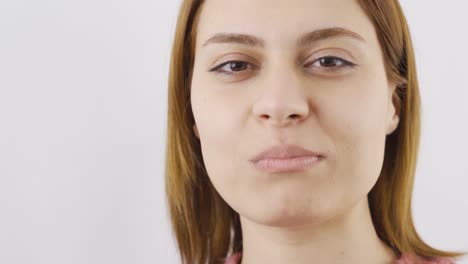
<point x="344" y="62"/>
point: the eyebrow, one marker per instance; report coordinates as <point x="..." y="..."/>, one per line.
<point x="304" y="40"/>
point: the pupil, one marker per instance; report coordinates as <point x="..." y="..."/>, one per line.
<point x="328" y="61"/>
<point x="236" y="65"/>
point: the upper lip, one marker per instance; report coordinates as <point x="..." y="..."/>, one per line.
<point x="285" y="152"/>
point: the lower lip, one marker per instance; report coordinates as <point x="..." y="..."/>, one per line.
<point x="287" y="165"/>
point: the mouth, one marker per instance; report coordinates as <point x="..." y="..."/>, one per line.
<point x="295" y="164"/>
<point x="285" y="151"/>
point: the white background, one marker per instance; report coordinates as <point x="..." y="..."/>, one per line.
<point x="83" y="101"/>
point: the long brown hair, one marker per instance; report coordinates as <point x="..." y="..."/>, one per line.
<point x="207" y="229"/>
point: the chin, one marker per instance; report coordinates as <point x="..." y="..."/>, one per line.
<point x="288" y="217"/>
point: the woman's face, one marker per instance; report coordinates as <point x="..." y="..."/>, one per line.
<point x="285" y="91"/>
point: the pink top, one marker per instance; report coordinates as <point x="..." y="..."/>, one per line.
<point x="405" y="259"/>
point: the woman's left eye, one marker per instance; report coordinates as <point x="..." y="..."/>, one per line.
<point x="334" y="63"/>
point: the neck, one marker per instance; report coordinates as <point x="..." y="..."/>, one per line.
<point x="350" y="238"/>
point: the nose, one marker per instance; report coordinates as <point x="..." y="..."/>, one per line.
<point x="283" y="100"/>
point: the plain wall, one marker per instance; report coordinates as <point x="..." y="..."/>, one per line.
<point x="83" y="106"/>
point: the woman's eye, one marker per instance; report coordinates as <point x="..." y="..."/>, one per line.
<point x="231" y="67"/>
<point x="331" y="63"/>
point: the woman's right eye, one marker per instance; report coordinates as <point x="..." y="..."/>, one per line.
<point x="231" y="67"/>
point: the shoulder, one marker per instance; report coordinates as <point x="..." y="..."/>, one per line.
<point x="408" y="259"/>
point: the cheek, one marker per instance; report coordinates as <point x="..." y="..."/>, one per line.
<point x="355" y="109"/>
<point x="219" y="123"/>
<point x="354" y="121"/>
<point x="218" y="118"/>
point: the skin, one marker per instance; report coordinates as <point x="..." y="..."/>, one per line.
<point x="284" y="94"/>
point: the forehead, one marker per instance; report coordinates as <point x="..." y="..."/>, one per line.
<point x="281" y="22"/>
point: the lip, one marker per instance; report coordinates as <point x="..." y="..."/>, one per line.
<point x="286" y="158"/>
<point x="285" y="152"/>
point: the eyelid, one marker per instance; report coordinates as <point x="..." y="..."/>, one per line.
<point x="235" y="56"/>
<point x="315" y="55"/>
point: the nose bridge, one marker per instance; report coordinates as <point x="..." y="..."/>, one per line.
<point x="282" y="96"/>
<point x="281" y="72"/>
<point x="281" y="79"/>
